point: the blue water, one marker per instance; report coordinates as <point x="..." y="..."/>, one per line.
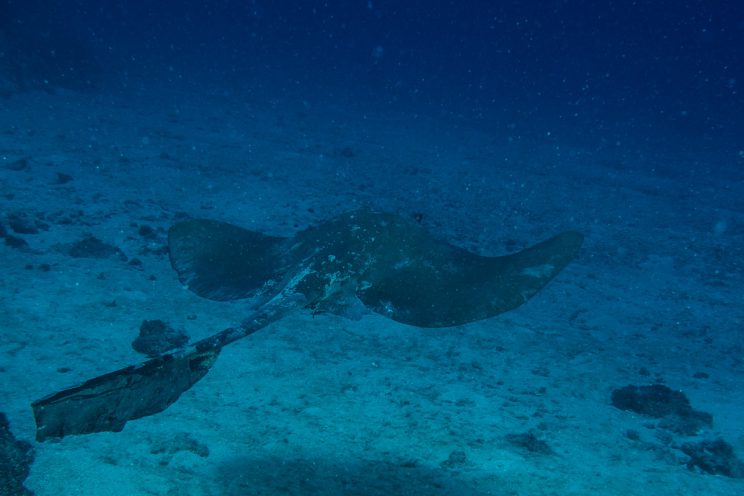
<point x="672" y="70"/>
<point x="496" y="124"/>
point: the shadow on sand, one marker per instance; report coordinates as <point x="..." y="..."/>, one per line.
<point x="311" y="477"/>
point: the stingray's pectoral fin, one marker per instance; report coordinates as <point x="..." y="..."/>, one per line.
<point x="438" y="285"/>
<point x="526" y="272"/>
<point x="221" y="261"/>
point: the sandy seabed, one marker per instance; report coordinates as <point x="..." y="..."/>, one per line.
<point x="323" y="405"/>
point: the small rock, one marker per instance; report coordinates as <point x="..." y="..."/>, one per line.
<point x="91" y="247"/>
<point x="13" y="241"/>
<point x="633" y="435"/>
<point x="157" y="337"/>
<point x="18" y="165"/>
<point x="456" y="459"/>
<point x="715" y="457"/>
<point x="15" y="461"/>
<point x="180" y="442"/>
<point x="530" y="443"/>
<point x="62" y="178"/>
<point x="147" y="232"/>
<point x="21" y="224"/>
<point x="659" y="401"/>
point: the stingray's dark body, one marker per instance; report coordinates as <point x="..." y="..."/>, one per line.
<point x="390" y="263"/>
<point x="360" y="260"/>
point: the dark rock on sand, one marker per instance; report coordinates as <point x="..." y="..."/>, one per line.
<point x="659" y="401"/>
<point x="13" y="241"/>
<point x="15" y="459"/>
<point x="18" y="164"/>
<point x="157" y="337"/>
<point x="147" y="232"/>
<point x="62" y="178"/>
<point x="23" y="223"/>
<point x="529" y="443"/>
<point x="91" y="247"/>
<point x="180" y="442"/>
<point x="715" y="457"/>
<point x="457" y="458"/>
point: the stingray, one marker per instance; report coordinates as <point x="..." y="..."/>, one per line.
<point x="358" y="262"/>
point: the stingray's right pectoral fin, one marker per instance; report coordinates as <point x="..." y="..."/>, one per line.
<point x="434" y="284"/>
<point x="221" y="261"/>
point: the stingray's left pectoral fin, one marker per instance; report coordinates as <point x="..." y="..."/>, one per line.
<point x="221" y="261"/>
